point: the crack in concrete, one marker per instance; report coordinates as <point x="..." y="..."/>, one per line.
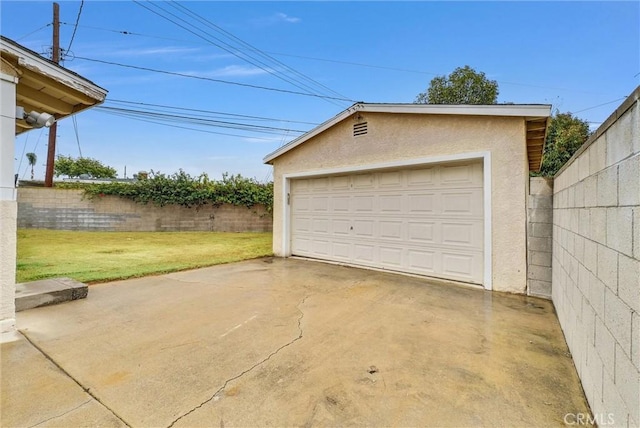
<point x="61" y="415"/>
<point x="238" y="376"/>
<point x="77" y="382"/>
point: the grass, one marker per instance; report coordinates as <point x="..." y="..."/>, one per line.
<point x="105" y="256"/>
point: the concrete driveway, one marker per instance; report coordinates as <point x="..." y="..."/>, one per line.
<point x="275" y="342"/>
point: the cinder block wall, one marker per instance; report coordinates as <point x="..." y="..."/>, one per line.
<point x="596" y="264"/>
<point x="539" y="229"/>
<point x="66" y="209"/>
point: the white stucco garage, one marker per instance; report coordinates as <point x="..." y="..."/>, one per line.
<point x="435" y="190"/>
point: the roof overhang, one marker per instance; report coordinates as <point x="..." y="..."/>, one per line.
<point x="45" y="86"/>
<point x="535" y="115"/>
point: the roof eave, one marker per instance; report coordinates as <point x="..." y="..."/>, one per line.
<point x="530" y="112"/>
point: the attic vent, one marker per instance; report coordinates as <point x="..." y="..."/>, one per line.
<point x="360" y="129"/>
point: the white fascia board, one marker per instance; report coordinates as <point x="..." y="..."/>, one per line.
<point x="41" y="65"/>
<point x="513" y="110"/>
<point x="527" y="111"/>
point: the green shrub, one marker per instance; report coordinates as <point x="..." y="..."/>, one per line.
<point x="182" y="189"/>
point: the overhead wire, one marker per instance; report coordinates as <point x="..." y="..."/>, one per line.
<point x="75" y="27"/>
<point x="248" y="85"/>
<point x="177" y="126"/>
<point x="34" y="31"/>
<point x="356" y="64"/>
<point x="203" y="121"/>
<point x="241" y="116"/>
<point x="253" y="48"/>
<point x="227" y="47"/>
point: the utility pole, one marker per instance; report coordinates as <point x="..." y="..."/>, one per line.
<point x="53" y="130"/>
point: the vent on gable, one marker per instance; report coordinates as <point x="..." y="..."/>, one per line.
<point x="359" y="129"/>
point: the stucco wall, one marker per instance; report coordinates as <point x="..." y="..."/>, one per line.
<point x="394" y="137"/>
<point x="66" y="209"/>
<point x="539" y="242"/>
<point x="8" y="82"/>
<point x="596" y="264"/>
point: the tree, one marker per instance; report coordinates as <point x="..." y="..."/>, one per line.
<point x="72" y="168"/>
<point x="463" y="86"/>
<point x="32" y="158"/>
<point x="565" y="135"/>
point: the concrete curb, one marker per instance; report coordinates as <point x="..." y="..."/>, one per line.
<point x="47" y="292"/>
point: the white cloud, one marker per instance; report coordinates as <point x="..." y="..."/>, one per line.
<point x="228" y="71"/>
<point x="286" y="18"/>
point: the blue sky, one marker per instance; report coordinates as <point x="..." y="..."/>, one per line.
<point x="573" y="55"/>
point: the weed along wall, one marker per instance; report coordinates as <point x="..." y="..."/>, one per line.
<point x="69" y="209"/>
<point x="596" y="264"/>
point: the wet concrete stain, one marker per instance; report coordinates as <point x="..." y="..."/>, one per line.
<point x="329" y="346"/>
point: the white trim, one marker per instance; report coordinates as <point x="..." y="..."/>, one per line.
<point x="486" y="188"/>
<point x="526" y="111"/>
<point x="488" y="238"/>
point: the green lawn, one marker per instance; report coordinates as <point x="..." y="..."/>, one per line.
<point x="104" y="256"/>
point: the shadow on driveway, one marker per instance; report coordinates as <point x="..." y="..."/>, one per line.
<point x="284" y="342"/>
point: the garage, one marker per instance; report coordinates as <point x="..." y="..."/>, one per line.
<point x="431" y="190"/>
<point x="424" y="220"/>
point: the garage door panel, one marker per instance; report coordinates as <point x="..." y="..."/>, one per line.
<point x="364" y="228"/>
<point x="341" y="226"/>
<point x="391" y="256"/>
<point x="390" y="180"/>
<point x="341" y="203"/>
<point x="364" y="253"/>
<point x="363" y="203"/>
<point x="320" y="183"/>
<point x="342" y="250"/>
<point x="390" y="203"/>
<point x="321" y="225"/>
<point x="422" y="231"/>
<point x="390" y="229"/>
<point x="422" y="203"/>
<point x="420" y="177"/>
<point x="340" y="182"/>
<point x="320" y="203"/>
<point x="426" y="221"/>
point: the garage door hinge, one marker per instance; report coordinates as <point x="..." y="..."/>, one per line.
<point x="288" y="198"/>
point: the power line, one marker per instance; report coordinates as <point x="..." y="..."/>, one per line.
<point x="200" y="121"/>
<point x="248" y="117"/>
<point x="600" y="105"/>
<point x="33" y="32"/>
<point x="191" y="76"/>
<point x="254" y="49"/>
<point x="75" y="28"/>
<point x="176" y="126"/>
<point x="252" y="59"/>
<point x="75" y="130"/>
<point x="357" y="64"/>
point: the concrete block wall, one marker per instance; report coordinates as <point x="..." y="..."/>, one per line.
<point x="539" y="242"/>
<point x="596" y="264"/>
<point x="67" y="209"/>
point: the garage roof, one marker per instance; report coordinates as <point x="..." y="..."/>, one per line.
<point x="535" y="115"/>
<point x="45" y="86"/>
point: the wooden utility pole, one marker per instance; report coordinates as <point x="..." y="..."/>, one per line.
<point x="55" y="57"/>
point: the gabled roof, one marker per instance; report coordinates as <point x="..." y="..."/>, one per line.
<point x="45" y="86"/>
<point x="536" y="116"/>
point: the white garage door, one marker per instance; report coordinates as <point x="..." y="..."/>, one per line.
<point x="427" y="220"/>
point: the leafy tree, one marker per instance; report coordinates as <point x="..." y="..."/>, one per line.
<point x="565" y="135"/>
<point x="463" y="86"/>
<point x="32" y="158"/>
<point x="66" y="165"/>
